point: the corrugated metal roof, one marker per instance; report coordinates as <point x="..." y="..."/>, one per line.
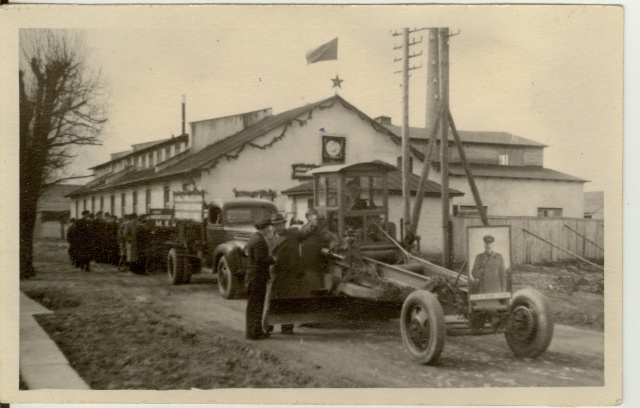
<point x="472" y="136"/>
<point x="515" y="172"/>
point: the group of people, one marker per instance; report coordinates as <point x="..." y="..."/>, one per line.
<point x="106" y="240"/>
<point x="287" y="261"/>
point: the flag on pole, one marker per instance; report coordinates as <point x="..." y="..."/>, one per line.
<point x="325" y="52"/>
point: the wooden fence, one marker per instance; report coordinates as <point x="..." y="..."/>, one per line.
<point x="583" y="237"/>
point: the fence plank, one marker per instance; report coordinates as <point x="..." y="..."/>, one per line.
<point x="526" y="249"/>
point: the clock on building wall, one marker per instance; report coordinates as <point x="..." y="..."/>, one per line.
<point x="333" y="148"/>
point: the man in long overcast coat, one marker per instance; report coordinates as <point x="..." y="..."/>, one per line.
<point x="257" y="278"/>
<point x="488" y="274"/>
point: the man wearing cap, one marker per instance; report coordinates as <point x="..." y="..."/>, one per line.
<point x="257" y="277"/>
<point x="488" y="273"/>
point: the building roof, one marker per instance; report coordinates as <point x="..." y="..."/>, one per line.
<point x="54" y="198"/>
<point x="394" y="185"/>
<point x="233" y="145"/>
<point x="376" y="165"/>
<point x="467" y="136"/>
<point x="514" y="172"/>
<point x="142" y="147"/>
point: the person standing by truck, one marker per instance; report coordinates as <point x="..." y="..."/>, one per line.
<point x="313" y="262"/>
<point x="257" y="278"/>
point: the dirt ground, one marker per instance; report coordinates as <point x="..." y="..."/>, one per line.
<point x="125" y="331"/>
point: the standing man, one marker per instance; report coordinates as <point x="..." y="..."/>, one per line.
<point x="257" y="277"/>
<point x="131" y="240"/>
<point x="313" y="262"/>
<point x="288" y="274"/>
<point x="488" y="274"/>
<point x="122" y="243"/>
<point x="84" y="241"/>
<point x="72" y="238"/>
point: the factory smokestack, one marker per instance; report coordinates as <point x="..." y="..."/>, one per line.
<point x="184" y="101"/>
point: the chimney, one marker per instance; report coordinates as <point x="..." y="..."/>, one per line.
<point x="383" y="120"/>
<point x="184" y="101"/>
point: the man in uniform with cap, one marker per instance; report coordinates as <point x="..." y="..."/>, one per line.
<point x="488" y="274"/>
<point x="257" y="277"/>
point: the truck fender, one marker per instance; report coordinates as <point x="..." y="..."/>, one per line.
<point x="233" y="252"/>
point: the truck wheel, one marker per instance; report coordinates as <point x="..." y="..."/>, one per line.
<point x="422" y="326"/>
<point x="175" y="267"/>
<point x="530" y="324"/>
<point x="227" y="282"/>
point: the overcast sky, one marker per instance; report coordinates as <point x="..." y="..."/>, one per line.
<point x="550" y="74"/>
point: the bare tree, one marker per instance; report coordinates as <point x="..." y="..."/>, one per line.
<point x="61" y="107"/>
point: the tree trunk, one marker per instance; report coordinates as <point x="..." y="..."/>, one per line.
<point x="27" y="226"/>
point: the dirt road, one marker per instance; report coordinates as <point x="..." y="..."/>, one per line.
<point x="370" y="353"/>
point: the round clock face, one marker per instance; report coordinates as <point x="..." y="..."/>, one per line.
<point x="333" y="148"/>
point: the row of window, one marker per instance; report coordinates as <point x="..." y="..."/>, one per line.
<point x="150" y="159"/>
<point x="472" y="210"/>
<point x="119" y="202"/>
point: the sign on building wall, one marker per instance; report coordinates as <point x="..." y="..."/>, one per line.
<point x="299" y="171"/>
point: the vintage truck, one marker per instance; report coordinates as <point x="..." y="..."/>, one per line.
<point x="210" y="238"/>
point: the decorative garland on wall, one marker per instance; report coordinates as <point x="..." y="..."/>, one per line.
<point x="303" y="122"/>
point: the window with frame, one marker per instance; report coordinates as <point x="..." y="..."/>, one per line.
<point x="101" y="203"/>
<point x="112" y="207"/>
<point x="511" y="156"/>
<point x="167" y="196"/>
<point x="546" y="212"/>
<point x="147" y="201"/>
<point x="135" y="202"/>
<point x="399" y="162"/>
<point x="93" y="204"/>
<point x="123" y="202"/>
<point x="178" y="148"/>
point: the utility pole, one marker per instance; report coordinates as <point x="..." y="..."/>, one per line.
<point x="443" y="40"/>
<point x="406" y="143"/>
<point x="432" y="120"/>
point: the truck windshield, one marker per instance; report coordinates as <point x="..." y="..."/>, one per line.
<point x="246" y="215"/>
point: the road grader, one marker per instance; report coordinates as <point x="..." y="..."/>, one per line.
<point x="433" y="301"/>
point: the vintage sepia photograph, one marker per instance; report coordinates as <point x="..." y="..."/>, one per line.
<point x="312" y="204"/>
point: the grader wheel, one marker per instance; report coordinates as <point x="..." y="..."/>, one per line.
<point x="530" y="324"/>
<point x="422" y="326"/>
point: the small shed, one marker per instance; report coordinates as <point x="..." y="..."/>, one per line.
<point x="52" y="218"/>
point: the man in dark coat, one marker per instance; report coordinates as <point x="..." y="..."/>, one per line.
<point x="256" y="281"/>
<point x="488" y="274"/>
<point x="72" y="237"/>
<point x="314" y="263"/>
<point x="84" y="241"/>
